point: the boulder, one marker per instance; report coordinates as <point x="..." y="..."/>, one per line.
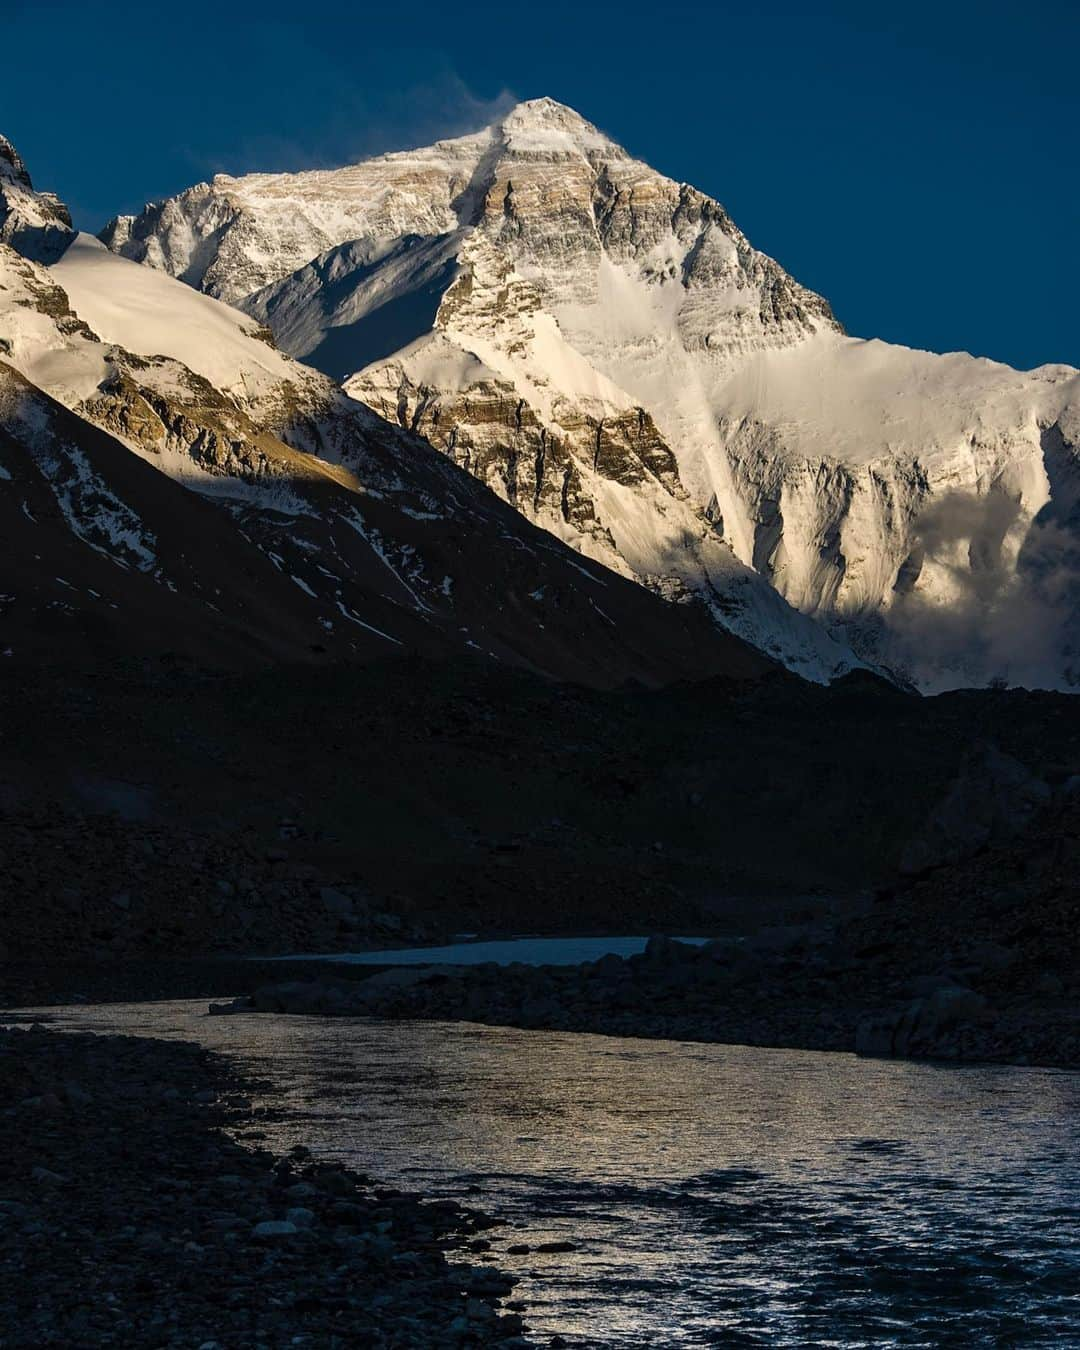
<point x="539" y="1011"/>
<point x="874" y="1037"/>
<point x="781" y="937"/>
<point x="272" y="1230"/>
<point x="948" y="1006"/>
<point x="407" y="977"/>
<point x="337" y="903"/>
<point x="920" y="1027"/>
<point x="722" y="950"/>
<point x="237" y="1005"/>
<point x="383" y="987"/>
<point x="661" y="948"/>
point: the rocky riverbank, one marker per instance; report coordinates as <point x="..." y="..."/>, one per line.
<point x="724" y="991"/>
<point x="977" y="959"/>
<point x="132" y="1218"/>
<point x="37" y="984"/>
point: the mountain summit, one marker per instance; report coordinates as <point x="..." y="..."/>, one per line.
<point x="539" y="166"/>
<point x="604" y="348"/>
<point x="543" y="126"/>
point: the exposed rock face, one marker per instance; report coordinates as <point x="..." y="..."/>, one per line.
<point x="921" y="1026"/>
<point x="498" y="388"/>
<point x="534" y="286"/>
<point x="37" y="224"/>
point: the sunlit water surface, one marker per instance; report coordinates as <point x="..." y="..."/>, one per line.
<point x="718" y="1195"/>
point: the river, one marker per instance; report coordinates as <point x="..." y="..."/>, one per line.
<point x="716" y="1195"/>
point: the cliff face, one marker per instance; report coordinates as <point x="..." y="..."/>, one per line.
<point x="605" y="349"/>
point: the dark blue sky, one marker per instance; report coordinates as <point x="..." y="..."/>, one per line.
<point x="916" y="163"/>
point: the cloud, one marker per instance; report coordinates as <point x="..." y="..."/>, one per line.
<point x="351" y="122"/>
<point x="996" y="595"/>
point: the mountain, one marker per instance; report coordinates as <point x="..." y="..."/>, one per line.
<point x="605" y="349"/>
<point x="278" y="673"/>
<point x="173" y="486"/>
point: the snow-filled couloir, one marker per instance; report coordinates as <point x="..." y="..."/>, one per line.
<point x="604" y="347"/>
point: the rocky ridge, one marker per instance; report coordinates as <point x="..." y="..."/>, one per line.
<point x="36" y="224"/>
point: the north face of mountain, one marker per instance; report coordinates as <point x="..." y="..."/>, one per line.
<point x="577" y="193"/>
<point x="605" y="349"/>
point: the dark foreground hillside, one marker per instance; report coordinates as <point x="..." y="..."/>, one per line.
<point x="172" y="812"/>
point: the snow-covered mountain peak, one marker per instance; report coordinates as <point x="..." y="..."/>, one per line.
<point x="542" y="127"/>
<point x="545" y="111"/>
<point x="605" y="348"/>
<point x="36" y="224"/>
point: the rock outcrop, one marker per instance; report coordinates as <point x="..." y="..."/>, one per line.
<point x="36" y="224"/>
<point x="991" y="800"/>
